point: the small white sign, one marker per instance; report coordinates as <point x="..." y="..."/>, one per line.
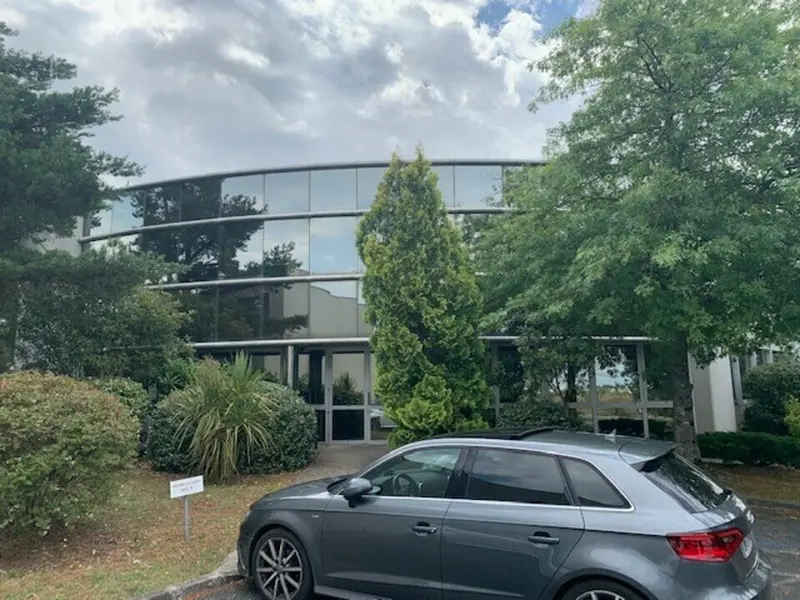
<point x="185" y="487"/>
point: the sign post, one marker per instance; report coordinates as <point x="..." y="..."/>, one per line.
<point x="183" y="488"/>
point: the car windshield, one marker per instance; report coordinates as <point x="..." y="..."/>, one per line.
<point x="685" y="483"/>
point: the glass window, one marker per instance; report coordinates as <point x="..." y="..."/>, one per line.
<point x="286" y="310"/>
<point x="508" y="476"/>
<point x="159" y="204"/>
<point x="591" y="488"/>
<point x="287" y="192"/>
<point x="685" y="483"/>
<point x="478" y="186"/>
<point x="446" y="184"/>
<point x="333" y="189"/>
<point x="286" y="248"/>
<point x="242" y="250"/>
<point x="242" y="195"/>
<point x="201" y="199"/>
<point x="364" y="328"/>
<point x="101" y="223"/>
<point x="126" y="214"/>
<point x="348" y="378"/>
<point x="196" y="248"/>
<point x="334" y="309"/>
<point x="368" y="181"/>
<point x="424" y="473"/>
<point x="333" y="245"/>
<point x="240" y="313"/>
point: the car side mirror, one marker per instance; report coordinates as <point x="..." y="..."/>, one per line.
<point x="355" y="489"/>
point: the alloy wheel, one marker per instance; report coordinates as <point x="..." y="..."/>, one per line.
<point x="600" y="595"/>
<point x="279" y="569"/>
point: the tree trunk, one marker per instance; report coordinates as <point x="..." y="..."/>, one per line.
<point x="572" y="384"/>
<point x="682" y="407"/>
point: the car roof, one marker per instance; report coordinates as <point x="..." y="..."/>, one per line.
<point x="552" y="440"/>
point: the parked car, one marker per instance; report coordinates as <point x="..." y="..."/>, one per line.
<point x="534" y="515"/>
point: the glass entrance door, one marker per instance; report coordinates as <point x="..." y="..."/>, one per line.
<point x="346" y="396"/>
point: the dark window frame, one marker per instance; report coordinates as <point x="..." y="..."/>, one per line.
<point x="470" y="463"/>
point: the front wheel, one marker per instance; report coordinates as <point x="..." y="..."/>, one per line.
<point x="280" y="567"/>
<point x="600" y="589"/>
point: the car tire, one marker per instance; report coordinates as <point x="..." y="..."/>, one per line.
<point x="604" y="589"/>
<point x="284" y="584"/>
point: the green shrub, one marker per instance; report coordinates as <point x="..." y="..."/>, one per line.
<point x="132" y="394"/>
<point x="540" y="413"/>
<point x="793" y="417"/>
<point x="61" y="443"/>
<point x="292" y="430"/>
<point x="768" y="388"/>
<point x="751" y="448"/>
<point x="175" y="374"/>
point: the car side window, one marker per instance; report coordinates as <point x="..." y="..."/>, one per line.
<point x="591" y="487"/>
<point x="510" y="476"/>
<point x="422" y="473"/>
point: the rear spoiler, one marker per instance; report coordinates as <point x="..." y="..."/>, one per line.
<point x="638" y="452"/>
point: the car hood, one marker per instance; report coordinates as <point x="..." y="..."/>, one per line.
<point x="303" y="490"/>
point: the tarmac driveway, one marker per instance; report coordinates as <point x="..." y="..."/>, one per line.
<point x="777" y="531"/>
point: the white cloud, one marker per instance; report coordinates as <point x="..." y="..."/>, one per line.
<point x="214" y="86"/>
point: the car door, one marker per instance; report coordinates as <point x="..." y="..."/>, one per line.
<point x="389" y="543"/>
<point x="513" y="529"/>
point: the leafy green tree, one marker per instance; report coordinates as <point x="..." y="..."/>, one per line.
<point x="424" y="303"/>
<point x="669" y="206"/>
<point x="49" y="175"/>
<point x="91" y="315"/>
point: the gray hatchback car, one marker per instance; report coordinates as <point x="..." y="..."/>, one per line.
<point x="541" y="514"/>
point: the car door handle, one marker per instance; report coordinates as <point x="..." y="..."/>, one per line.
<point x="545" y="539"/>
<point x="423" y="529"/>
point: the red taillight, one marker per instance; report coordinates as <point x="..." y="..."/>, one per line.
<point x="711" y="546"/>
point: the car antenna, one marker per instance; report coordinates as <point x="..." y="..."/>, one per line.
<point x="612" y="437"/>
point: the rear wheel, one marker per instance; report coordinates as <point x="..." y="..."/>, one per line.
<point x="281" y="569"/>
<point x="600" y="589"/>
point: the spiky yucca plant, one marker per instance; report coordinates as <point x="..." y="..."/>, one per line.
<point x="225" y="411"/>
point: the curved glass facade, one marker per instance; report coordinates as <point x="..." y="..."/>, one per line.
<point x="289" y="233"/>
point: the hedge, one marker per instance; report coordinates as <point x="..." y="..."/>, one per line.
<point x="750" y="448"/>
<point x="659" y="429"/>
<point x="768" y="388"/>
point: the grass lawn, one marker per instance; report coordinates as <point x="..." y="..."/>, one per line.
<point x="133" y="546"/>
<point x="765" y="483"/>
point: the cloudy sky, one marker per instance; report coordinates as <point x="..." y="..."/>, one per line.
<point x="217" y="85"/>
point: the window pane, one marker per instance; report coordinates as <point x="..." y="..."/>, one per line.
<point x="446" y="184"/>
<point x="197" y="248"/>
<point x="687" y="484"/>
<point x="368" y="181"/>
<point x="334" y="310"/>
<point x="126" y="214"/>
<point x="478" y="186"/>
<point x="286" y="310"/>
<point x="424" y="473"/>
<point x="159" y="204"/>
<point x="240" y="313"/>
<point x="286" y="248"/>
<point x="287" y="192"/>
<point x="333" y="245"/>
<point x="591" y="487"/>
<point x="103" y="223"/>
<point x="348" y="425"/>
<point x="202" y="304"/>
<point x="242" y="195"/>
<point x="506" y="476"/>
<point x="333" y="189"/>
<point x="242" y="250"/>
<point x="201" y="199"/>
<point x="348" y="379"/>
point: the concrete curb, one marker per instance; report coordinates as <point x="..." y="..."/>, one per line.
<point x="176" y="592"/>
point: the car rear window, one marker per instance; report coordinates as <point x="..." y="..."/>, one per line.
<point x="685" y="483"/>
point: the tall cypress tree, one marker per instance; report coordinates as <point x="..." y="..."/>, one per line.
<point x="424" y="304"/>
